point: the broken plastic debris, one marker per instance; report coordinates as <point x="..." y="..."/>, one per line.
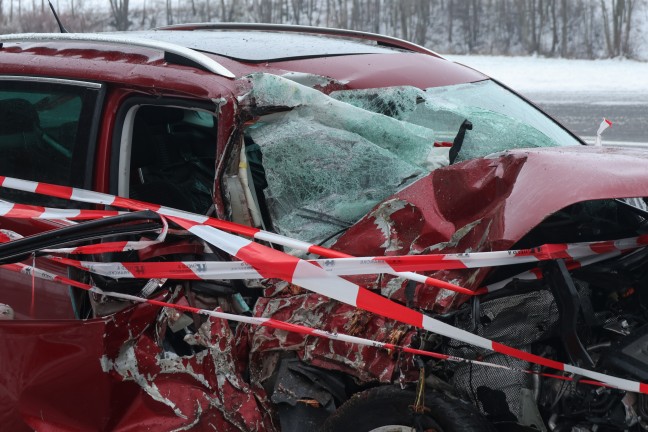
<point x="6" y="312"/>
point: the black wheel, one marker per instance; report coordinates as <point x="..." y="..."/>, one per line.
<point x="388" y="409"/>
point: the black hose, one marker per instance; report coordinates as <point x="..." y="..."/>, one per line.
<point x="19" y="250"/>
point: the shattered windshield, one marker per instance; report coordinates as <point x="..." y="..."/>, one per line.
<point x="500" y="119"/>
<point x="329" y="159"/>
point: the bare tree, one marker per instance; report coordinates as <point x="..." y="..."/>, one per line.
<point x="470" y="20"/>
<point x="617" y="23"/>
<point x="450" y="19"/>
<point x="119" y="9"/>
<point x="569" y="28"/>
<point x="232" y="10"/>
<point x="422" y="12"/>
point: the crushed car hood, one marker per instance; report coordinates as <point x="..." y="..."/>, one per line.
<point x="489" y="204"/>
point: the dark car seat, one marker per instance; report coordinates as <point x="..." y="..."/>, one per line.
<point x="20" y="137"/>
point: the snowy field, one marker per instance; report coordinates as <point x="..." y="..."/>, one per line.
<point x="578" y="92"/>
<point x="536" y="75"/>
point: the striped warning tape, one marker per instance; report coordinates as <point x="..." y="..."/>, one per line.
<point x="82" y="195"/>
<point x="353" y="265"/>
<point x="279" y="325"/>
<point x="208" y="270"/>
<point x="312" y="277"/>
<point x="120" y="246"/>
<point x="536" y="273"/>
<point x="100" y="248"/>
<point x="23" y="211"/>
<point x="36" y="212"/>
<point x="8" y="235"/>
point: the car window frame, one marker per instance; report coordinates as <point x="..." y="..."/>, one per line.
<point x="119" y="168"/>
<point x="84" y="155"/>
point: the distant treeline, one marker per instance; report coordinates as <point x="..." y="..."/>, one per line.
<point x="565" y="28"/>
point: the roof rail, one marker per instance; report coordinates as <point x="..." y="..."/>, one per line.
<point x="194" y="58"/>
<point x="380" y="39"/>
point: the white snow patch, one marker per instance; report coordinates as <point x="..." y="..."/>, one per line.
<point x="537" y="75"/>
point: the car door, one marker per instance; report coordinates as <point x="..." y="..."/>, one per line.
<point x="48" y="131"/>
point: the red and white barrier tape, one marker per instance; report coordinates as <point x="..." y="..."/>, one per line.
<point x="119" y="246"/>
<point x="100" y="248"/>
<point x="316" y="279"/>
<point x="536" y="273"/>
<point x="210" y="270"/>
<point x="8" y="235"/>
<point x="122" y="246"/>
<point x="355" y="265"/>
<point x="278" y="325"/>
<point x="82" y="195"/>
<point x="23" y="211"/>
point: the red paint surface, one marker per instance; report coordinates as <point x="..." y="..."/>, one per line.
<point x="504" y="197"/>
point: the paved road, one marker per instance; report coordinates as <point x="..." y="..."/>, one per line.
<point x="582" y="113"/>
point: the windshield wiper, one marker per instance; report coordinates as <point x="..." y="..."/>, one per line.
<point x="458" y="141"/>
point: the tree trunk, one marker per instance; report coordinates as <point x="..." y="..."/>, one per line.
<point x="119" y="10"/>
<point x="563" y="34"/>
<point x="403" y="18"/>
<point x="169" y="12"/>
<point x="450" y="20"/>
<point x="625" y="47"/>
<point x="554" y="27"/>
<point x="606" y="30"/>
<point x="143" y="14"/>
<point x="377" y="17"/>
<point x="617" y="25"/>
<point x="423" y="21"/>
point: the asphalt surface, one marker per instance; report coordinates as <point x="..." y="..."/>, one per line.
<point x="583" y="113"/>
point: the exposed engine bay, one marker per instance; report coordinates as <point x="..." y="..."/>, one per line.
<point x="594" y="316"/>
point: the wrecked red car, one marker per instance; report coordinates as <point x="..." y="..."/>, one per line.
<point x="260" y="228"/>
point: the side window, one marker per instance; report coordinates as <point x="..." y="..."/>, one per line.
<point x="46" y="134"/>
<point x="168" y="156"/>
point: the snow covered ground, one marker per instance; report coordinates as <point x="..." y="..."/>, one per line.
<point x="537" y="75"/>
<point x="578" y="92"/>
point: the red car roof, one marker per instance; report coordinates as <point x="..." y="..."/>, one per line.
<point x="354" y="63"/>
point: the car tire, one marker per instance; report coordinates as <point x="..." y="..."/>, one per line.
<point x="388" y="408"/>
